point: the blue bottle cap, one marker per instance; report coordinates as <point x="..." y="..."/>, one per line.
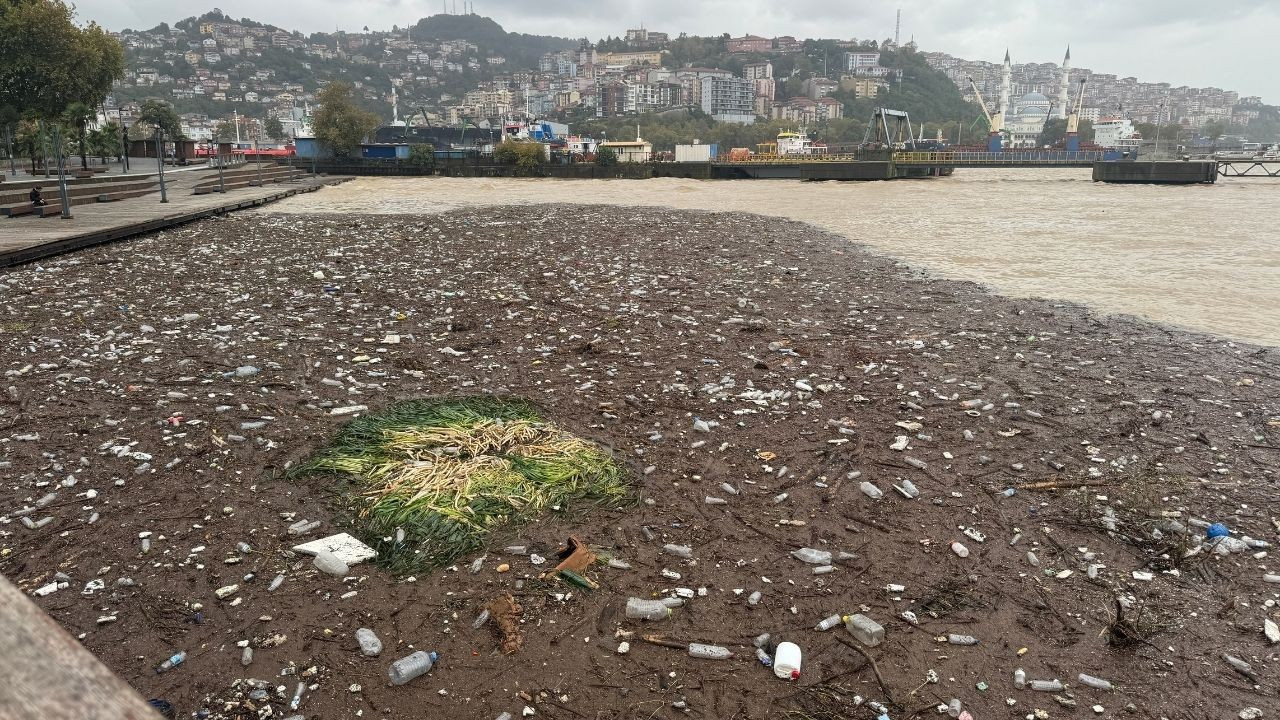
<point x="1217" y="530"/>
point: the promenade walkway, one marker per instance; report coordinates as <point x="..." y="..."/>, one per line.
<point x="26" y="239"/>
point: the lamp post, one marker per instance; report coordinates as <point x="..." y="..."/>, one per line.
<point x="222" y="164"/>
<point x="164" y="195"/>
<point x="124" y="146"/>
<point x="62" y="176"/>
<point x="8" y="137"/>
<point x="258" y="157"/>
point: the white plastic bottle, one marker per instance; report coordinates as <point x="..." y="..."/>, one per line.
<point x="786" y="661"/>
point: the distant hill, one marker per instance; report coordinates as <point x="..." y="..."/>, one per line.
<point x="520" y="49"/>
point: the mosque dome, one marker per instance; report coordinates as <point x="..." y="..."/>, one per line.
<point x="1033" y="98"/>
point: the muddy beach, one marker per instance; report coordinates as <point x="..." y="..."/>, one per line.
<point x="1065" y="467"/>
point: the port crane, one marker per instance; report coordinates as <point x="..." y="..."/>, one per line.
<point x="1073" y="119"/>
<point x="995" y="122"/>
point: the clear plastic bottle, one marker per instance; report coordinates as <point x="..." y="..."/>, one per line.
<point x="370" y="645"/>
<point x="709" y="652"/>
<point x="683" y="551"/>
<point x="871" y="490"/>
<point x="410" y="667"/>
<point x="864" y="630"/>
<point x="246" y="656"/>
<point x="754" y="598"/>
<point x="962" y="639"/>
<point x="640" y="609"/>
<point x="174" y="661"/>
<point x="812" y="556"/>
<point x="828" y="623"/>
<point x="1019" y="678"/>
<point x="1046" y="685"/>
<point x="1095" y="682"/>
<point x="786" y="661"/>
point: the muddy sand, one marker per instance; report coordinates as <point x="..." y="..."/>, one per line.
<point x="817" y="367"/>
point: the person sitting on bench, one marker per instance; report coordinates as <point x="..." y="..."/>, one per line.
<point x="36" y="199"/>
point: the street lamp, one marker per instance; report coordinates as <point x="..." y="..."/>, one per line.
<point x="164" y="195"/>
<point x="124" y="145"/>
<point x="62" y="176"/>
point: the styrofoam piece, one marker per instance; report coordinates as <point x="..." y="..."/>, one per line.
<point x="347" y="549"/>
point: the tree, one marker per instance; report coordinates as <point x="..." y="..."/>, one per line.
<point x="422" y="154"/>
<point x="105" y="141"/>
<point x="340" y="125"/>
<point x="274" y="129"/>
<point x="47" y="62"/>
<point x="161" y="117"/>
<point x="79" y="115"/>
<point x="606" y="157"/>
<point x="524" y="154"/>
<point x="1214" y="129"/>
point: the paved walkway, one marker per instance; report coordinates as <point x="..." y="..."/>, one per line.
<point x="29" y="238"/>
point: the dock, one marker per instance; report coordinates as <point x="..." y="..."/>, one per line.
<point x="26" y="239"/>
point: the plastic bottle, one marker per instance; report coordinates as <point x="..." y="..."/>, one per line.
<point x="1094" y="682"/>
<point x="410" y="667"/>
<point x="812" y="556"/>
<point x="871" y="490"/>
<point x="864" y="630"/>
<point x="246" y="656"/>
<point x="481" y="619"/>
<point x="962" y="639"/>
<point x="174" y="661"/>
<point x="763" y="657"/>
<point x="1019" y="678"/>
<point x="754" y="598"/>
<point x="709" y="652"/>
<point x="370" y="645"/>
<point x="683" y="551"/>
<point x="954" y="707"/>
<point x="327" y="562"/>
<point x="786" y="661"/>
<point x="639" y="609"/>
<point x="761" y="640"/>
<point x="1046" y="685"/>
<point x="504" y="716"/>
<point x="828" y="623"/>
<point x="276" y="582"/>
<point x="302" y="687"/>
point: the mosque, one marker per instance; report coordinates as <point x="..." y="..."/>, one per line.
<point x="1025" y="118"/>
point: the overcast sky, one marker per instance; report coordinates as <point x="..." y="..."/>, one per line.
<point x="1231" y="44"/>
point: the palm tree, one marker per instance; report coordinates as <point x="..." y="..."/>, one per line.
<point x="80" y="115"/>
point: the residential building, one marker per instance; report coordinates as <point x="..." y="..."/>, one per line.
<point x="757" y="71"/>
<point x="787" y="45"/>
<point x="632" y="58"/>
<point x="690" y="79"/>
<point x="861" y="86"/>
<point x="855" y="60"/>
<point x="728" y="99"/>
<point x="638" y="150"/>
<point x="818" y="87"/>
<point x="748" y="44"/>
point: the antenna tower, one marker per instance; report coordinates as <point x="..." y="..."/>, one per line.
<point x="897" y="28"/>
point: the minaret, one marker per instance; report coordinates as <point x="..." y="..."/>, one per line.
<point x="395" y="107"/>
<point x="1064" y="94"/>
<point x="1006" y="84"/>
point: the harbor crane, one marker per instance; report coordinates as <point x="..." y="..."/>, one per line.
<point x="995" y="122"/>
<point x="1073" y="119"/>
<point x="878" y="129"/>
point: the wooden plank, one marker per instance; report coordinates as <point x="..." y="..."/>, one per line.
<point x="50" y="675"/>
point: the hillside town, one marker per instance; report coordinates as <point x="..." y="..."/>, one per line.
<point x="218" y="70"/>
<point x="1106" y="94"/>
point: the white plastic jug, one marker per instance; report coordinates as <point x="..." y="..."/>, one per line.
<point x="786" y="661"/>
